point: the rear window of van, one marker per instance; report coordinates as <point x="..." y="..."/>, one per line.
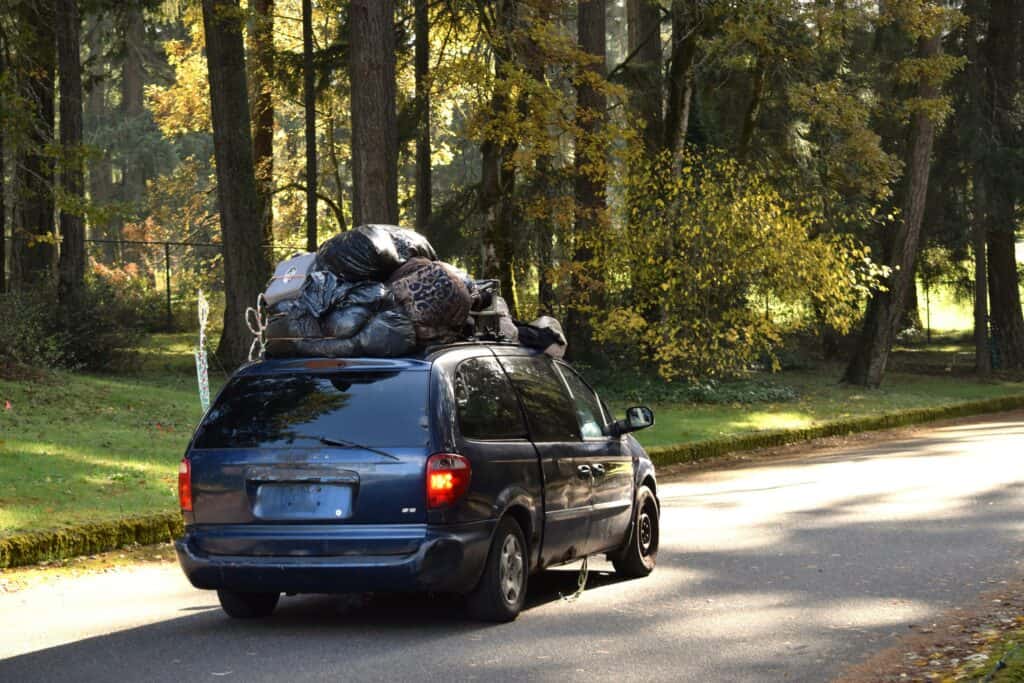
<point x="305" y="409"/>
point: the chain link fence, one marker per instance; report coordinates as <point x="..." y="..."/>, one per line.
<point x="174" y="271"/>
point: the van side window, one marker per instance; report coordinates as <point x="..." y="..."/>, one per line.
<point x="487" y="404"/>
<point x="548" y="409"/>
<point x="585" y="401"/>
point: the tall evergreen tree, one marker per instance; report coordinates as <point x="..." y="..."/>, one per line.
<point x="71" y="269"/>
<point x="867" y="365"/>
<point x="374" y="118"/>
<point x="1005" y="179"/>
<point x="33" y="257"/>
<point x="246" y="262"/>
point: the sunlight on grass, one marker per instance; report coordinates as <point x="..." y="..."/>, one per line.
<point x="763" y="420"/>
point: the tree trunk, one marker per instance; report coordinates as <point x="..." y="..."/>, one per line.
<point x="71" y="269"/>
<point x="374" y="126"/>
<point x="1003" y="58"/>
<point x="3" y="179"/>
<point x="424" y="191"/>
<point x="261" y="37"/>
<point x="133" y="185"/>
<point x="644" y="41"/>
<point x="34" y="260"/>
<point x="246" y="266"/>
<point x="753" y="108"/>
<point x="101" y="172"/>
<point x="590" y="178"/>
<point x="867" y="366"/>
<point x="979" y="200"/>
<point x="680" y="77"/>
<point x="309" y="101"/>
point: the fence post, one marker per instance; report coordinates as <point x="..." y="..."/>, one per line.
<point x="167" y="280"/>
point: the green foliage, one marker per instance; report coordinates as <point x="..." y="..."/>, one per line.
<point x="706" y="239"/>
<point x="110" y="315"/>
<point x="628" y="387"/>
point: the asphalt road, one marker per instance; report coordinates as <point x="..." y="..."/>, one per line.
<point x="789" y="569"/>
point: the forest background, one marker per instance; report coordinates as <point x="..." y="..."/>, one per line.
<point x="695" y="187"/>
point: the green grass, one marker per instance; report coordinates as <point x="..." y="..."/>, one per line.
<point x="820" y="399"/>
<point x="79" y="448"/>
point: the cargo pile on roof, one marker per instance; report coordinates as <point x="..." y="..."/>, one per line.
<point x="380" y="291"/>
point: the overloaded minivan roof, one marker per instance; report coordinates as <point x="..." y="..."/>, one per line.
<point x="291" y="365"/>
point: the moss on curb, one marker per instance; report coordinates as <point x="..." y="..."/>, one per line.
<point x="88" y="539"/>
<point x="701" y="450"/>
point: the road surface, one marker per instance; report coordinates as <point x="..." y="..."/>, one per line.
<point x="786" y="569"/>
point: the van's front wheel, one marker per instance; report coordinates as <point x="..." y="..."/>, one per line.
<point x="501" y="593"/>
<point x="247" y="605"/>
<point x="637" y="557"/>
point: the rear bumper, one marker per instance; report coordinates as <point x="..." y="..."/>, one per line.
<point x="381" y="558"/>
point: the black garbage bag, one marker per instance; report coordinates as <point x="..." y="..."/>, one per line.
<point x="388" y="334"/>
<point x="434" y="296"/>
<point x="409" y="244"/>
<point x="346" y="321"/>
<point x="544" y="333"/>
<point x="321" y="292"/>
<point x="365" y="253"/>
<point x="373" y="295"/>
<point x="291" y="320"/>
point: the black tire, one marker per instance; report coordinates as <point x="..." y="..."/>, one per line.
<point x="247" y="605"/>
<point x="501" y="592"/>
<point x="636" y="559"/>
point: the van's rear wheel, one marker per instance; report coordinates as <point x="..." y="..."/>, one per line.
<point x="502" y="589"/>
<point x="247" y="605"/>
<point x="636" y="559"/>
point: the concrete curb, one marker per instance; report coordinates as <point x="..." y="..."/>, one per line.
<point x="88" y="539"/>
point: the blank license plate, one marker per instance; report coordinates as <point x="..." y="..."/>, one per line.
<point x="302" y="501"/>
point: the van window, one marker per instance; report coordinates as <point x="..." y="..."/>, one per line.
<point x="367" y="408"/>
<point x="548" y="409"/>
<point x="487" y="404"/>
<point x="585" y="401"/>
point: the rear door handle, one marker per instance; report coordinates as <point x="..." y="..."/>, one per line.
<point x="598" y="470"/>
<point x="583" y="471"/>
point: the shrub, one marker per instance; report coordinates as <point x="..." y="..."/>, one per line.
<point x="111" y="313"/>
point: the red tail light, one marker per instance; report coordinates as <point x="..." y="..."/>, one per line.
<point x="447" y="479"/>
<point x="185" y="485"/>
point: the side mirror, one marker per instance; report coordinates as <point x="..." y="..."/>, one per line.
<point x="637" y="417"/>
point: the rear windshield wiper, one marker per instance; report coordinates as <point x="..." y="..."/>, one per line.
<point x="342" y="443"/>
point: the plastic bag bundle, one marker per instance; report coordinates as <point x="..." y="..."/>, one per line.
<point x="365" y="253"/>
<point x="372" y="252"/>
<point x="387" y="334"/>
<point x="290" y="319"/>
<point x="544" y="333"/>
<point x="435" y="298"/>
<point x="408" y="243"/>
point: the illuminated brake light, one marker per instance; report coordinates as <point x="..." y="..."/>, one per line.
<point x="448" y="478"/>
<point x="185" y="485"/>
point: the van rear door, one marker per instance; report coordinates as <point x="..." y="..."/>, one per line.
<point x="346" y="446"/>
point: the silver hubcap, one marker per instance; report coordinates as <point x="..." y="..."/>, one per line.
<point x="646" y="535"/>
<point x="511" y="567"/>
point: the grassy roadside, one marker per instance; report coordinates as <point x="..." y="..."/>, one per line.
<point x="77" y="448"/>
<point x="820" y="399"/>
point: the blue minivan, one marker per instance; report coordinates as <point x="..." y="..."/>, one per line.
<point x="464" y="470"/>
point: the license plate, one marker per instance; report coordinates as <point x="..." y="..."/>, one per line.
<point x="302" y="501"/>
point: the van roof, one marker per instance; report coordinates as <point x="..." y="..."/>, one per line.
<point x="420" y="362"/>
